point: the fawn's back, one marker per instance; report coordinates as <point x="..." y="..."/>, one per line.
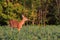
<point x="13" y="23"/>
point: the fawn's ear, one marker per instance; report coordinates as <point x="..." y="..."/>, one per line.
<point x="22" y="15"/>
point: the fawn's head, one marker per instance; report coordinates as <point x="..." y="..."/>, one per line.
<point x="24" y="18"/>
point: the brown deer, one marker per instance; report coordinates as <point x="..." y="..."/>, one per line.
<point x="16" y="24"/>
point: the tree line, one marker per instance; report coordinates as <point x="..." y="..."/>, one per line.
<point x="38" y="11"/>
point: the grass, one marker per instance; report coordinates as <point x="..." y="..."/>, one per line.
<point x="50" y="32"/>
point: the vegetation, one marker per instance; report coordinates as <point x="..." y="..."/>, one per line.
<point x="51" y="32"/>
<point x="38" y="11"/>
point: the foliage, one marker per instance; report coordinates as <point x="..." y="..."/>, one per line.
<point x="30" y="33"/>
<point x="13" y="9"/>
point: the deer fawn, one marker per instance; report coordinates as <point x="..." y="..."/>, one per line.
<point x="16" y="24"/>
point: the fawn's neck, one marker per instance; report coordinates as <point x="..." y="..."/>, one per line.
<point x="22" y="22"/>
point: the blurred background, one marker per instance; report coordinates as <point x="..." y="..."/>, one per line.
<point x="40" y="12"/>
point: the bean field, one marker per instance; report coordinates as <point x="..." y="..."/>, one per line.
<point x="30" y="32"/>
